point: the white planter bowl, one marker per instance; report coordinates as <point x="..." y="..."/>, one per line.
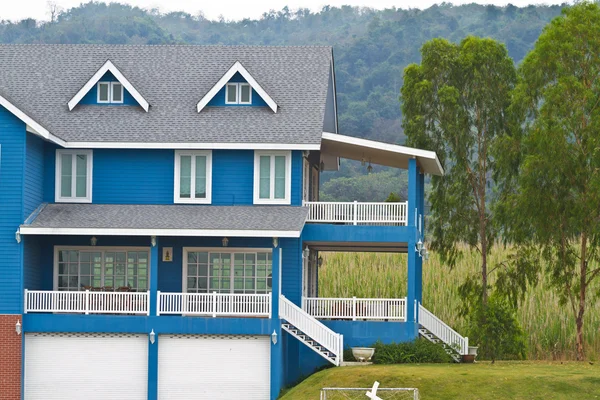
<point x="363" y="353"/>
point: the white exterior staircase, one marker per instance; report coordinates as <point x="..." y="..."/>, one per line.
<point x="435" y="330"/>
<point x="311" y="332"/>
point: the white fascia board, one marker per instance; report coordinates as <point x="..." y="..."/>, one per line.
<point x="237" y="67"/>
<point x="108" y="66"/>
<point x="32" y="126"/>
<point x="409" y="151"/>
<point x="29" y="230"/>
<point x="194" y="146"/>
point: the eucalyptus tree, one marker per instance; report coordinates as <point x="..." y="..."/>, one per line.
<point x="456" y="103"/>
<point x="550" y="165"/>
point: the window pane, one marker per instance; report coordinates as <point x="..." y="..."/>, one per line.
<point x="232" y="93"/>
<point x="265" y="177"/>
<point x="185" y="177"/>
<point x="200" y="177"/>
<point x="81" y="173"/>
<point x="279" y="177"/>
<point x="245" y="94"/>
<point x="117" y="95"/>
<point x="103" y="91"/>
<point x="66" y="174"/>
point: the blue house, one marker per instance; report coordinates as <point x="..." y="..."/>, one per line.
<point x="160" y="223"/>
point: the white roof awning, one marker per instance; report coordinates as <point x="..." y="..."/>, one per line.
<point x="390" y="155"/>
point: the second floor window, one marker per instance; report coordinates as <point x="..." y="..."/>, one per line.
<point x="238" y="93"/>
<point x="73" y="176"/>
<point x="193" y="176"/>
<point x="110" y="92"/>
<point x="272" y="177"/>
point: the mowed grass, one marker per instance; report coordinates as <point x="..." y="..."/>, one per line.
<point x="504" y="380"/>
<point x="550" y="327"/>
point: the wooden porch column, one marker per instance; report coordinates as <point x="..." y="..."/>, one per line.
<point x="277" y="366"/>
<point x="413" y="256"/>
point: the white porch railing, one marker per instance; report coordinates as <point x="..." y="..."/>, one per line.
<point x="215" y="304"/>
<point x="354" y="308"/>
<point x="446" y="334"/>
<point x="308" y="325"/>
<point x="86" y="302"/>
<point x="357" y="213"/>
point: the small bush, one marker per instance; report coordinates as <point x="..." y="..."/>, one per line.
<point x="418" y="351"/>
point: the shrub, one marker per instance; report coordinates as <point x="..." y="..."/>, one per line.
<point x="419" y="351"/>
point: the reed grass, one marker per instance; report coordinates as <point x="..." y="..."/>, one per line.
<point x="550" y="327"/>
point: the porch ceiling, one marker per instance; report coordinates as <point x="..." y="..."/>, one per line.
<point x="166" y="220"/>
<point x="359" y="247"/>
<point x="390" y="155"/>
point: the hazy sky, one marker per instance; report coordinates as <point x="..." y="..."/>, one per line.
<point x="232" y="9"/>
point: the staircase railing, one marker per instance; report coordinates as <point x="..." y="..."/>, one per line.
<point x="332" y="341"/>
<point x="442" y="331"/>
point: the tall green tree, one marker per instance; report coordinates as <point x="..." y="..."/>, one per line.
<point x="456" y="104"/>
<point x="550" y="165"/>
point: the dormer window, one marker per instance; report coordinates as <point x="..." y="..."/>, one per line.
<point x="110" y="92"/>
<point x="238" y="93"/>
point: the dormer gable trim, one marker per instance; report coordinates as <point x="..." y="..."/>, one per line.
<point x="237" y="67"/>
<point x="108" y="66"/>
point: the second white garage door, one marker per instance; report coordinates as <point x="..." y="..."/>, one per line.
<point x="213" y="367"/>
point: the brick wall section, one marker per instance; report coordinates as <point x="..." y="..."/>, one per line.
<point x="10" y="358"/>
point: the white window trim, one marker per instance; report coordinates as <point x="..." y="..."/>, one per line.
<point x="193" y="200"/>
<point x="112" y="91"/>
<point x="232" y="250"/>
<point x="109" y="90"/>
<point x="57" y="249"/>
<point x="240" y="93"/>
<point x="57" y="177"/>
<point x="288" y="177"/>
<point x="237" y="93"/>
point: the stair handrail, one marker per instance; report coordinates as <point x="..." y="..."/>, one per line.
<point x="312" y="327"/>
<point x="442" y="331"/>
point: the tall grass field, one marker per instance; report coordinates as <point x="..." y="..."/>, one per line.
<point x="550" y="327"/>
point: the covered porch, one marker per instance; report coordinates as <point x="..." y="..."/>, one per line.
<point x="82" y="268"/>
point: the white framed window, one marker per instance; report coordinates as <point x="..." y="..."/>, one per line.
<point x="272" y="177"/>
<point x="110" y="92"/>
<point x="73" y="179"/>
<point x="193" y="177"/>
<point x="238" y="93"/>
<point x="101" y="268"/>
<point x="219" y="270"/>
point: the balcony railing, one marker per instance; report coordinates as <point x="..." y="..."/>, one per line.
<point x="355" y="309"/>
<point x="357" y="213"/>
<point x="87" y="302"/>
<point x="215" y="304"/>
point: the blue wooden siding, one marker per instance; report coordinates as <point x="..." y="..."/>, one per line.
<point x="219" y="99"/>
<point x="12" y="166"/>
<point x="33" y="190"/>
<point x="92" y="96"/>
<point x="146" y="176"/>
<point x="34" y="275"/>
<point x="291" y="277"/>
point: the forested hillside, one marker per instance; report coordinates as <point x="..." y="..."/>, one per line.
<point x="371" y="49"/>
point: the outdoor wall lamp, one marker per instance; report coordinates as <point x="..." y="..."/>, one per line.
<point x="275" y="242"/>
<point x="153" y="241"/>
<point x="18" y="327"/>
<point x="419" y="246"/>
<point x="274" y="337"/>
<point x="305" y="253"/>
<point x="94" y="241"/>
<point x="322" y="166"/>
<point x="152" y="336"/>
<point x="225" y="242"/>
<point x="320" y="260"/>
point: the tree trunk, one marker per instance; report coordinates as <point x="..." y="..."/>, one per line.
<point x="582" y="293"/>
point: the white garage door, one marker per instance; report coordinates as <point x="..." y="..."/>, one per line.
<point x="214" y="367"/>
<point x="86" y="366"/>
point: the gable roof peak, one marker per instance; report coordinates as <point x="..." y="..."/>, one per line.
<point x="108" y="67"/>
<point x="235" y="68"/>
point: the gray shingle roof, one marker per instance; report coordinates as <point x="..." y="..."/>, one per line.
<point x="178" y="217"/>
<point x="41" y="79"/>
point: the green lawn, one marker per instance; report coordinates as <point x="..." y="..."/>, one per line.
<point x="482" y="381"/>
